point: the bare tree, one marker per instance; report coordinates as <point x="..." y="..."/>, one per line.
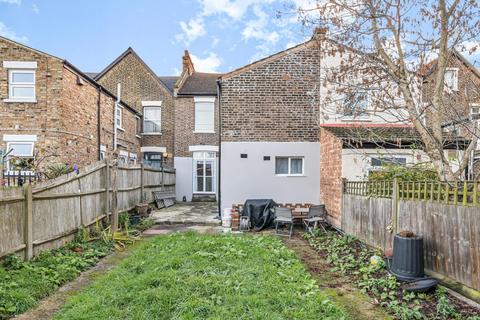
<point x="395" y="50"/>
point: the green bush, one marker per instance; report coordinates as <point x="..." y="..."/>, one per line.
<point x="414" y="173"/>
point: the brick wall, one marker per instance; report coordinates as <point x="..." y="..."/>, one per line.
<point x="331" y="175"/>
<point x="273" y="101"/>
<point x="139" y="84"/>
<point x="185" y="125"/>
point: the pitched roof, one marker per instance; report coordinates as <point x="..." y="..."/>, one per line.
<point x="121" y="57"/>
<point x="91" y="74"/>
<point x="200" y="83"/>
<point x="169" y="82"/>
<point x="430" y="67"/>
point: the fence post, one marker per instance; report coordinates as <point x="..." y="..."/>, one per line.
<point x="395" y="198"/>
<point x="115" y="195"/>
<point x="28" y="224"/>
<point x="163" y="180"/>
<point x="142" y="183"/>
<point x="107" y="188"/>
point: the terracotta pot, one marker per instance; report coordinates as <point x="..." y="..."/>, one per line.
<point x="142" y="209"/>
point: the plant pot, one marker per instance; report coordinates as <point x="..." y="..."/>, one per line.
<point x="407" y="263"/>
<point x="142" y="209"/>
<point x="134" y="219"/>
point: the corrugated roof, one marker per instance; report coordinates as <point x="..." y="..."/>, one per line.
<point x="169" y="82"/>
<point x="200" y="83"/>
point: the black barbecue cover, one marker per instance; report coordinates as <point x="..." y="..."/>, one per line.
<point x="260" y="212"/>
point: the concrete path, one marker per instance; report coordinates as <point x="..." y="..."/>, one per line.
<point x="188" y="214"/>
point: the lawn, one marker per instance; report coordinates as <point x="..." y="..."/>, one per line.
<point x="193" y="276"/>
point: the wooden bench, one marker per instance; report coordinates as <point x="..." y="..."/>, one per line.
<point x="163" y="199"/>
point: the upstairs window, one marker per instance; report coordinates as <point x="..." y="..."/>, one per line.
<point x="381" y="162"/>
<point x="355" y="103"/>
<point x="21" y="85"/>
<point x="475" y="111"/>
<point x="152" y="119"/>
<point x="204" y="115"/>
<point x="451" y="79"/>
<point x="118" y="117"/>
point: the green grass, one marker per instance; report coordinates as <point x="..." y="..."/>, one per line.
<point x="192" y="276"/>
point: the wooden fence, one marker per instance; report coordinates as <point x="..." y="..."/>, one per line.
<point x="47" y="215"/>
<point x="447" y="215"/>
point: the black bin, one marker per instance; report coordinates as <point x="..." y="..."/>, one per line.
<point x="407" y="263"/>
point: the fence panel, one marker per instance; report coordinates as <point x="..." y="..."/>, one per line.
<point x="61" y="206"/>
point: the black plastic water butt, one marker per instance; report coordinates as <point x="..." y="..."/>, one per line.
<point x="407" y="263"/>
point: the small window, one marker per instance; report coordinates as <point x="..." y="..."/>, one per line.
<point x="152" y="119"/>
<point x="20" y="156"/>
<point x="475" y="111"/>
<point x="118" y="118"/>
<point x="355" y="103"/>
<point x="204" y="116"/>
<point x="133" y="158"/>
<point x="451" y="79"/>
<point x="292" y="166"/>
<point x="381" y="162"/>
<point x="153" y="159"/>
<point x="21" y="85"/>
<point x="138" y="126"/>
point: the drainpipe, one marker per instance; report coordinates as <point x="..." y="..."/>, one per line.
<point x="219" y="95"/>
<point x="99" y="141"/>
<point x="119" y="92"/>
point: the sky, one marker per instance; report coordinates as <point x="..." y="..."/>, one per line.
<point x="221" y="35"/>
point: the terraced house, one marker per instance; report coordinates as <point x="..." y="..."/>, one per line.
<point x="51" y="112"/>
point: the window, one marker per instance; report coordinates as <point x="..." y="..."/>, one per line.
<point x="451" y="78"/>
<point x="20" y="156"/>
<point x="291" y="166"/>
<point x="133" y="158"/>
<point x="118" y="117"/>
<point x="355" y="103"/>
<point x="152" y="119"/>
<point x="381" y="162"/>
<point x="153" y="159"/>
<point x="204" y="115"/>
<point x="103" y="152"/>
<point x="138" y="126"/>
<point x="21" y="85"/>
<point x="475" y="111"/>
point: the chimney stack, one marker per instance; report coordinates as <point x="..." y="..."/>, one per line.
<point x="320" y="33"/>
<point x="187" y="64"/>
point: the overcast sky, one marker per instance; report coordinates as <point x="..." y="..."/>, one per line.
<point x="220" y="34"/>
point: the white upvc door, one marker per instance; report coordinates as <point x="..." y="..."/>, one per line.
<point x="204" y="172"/>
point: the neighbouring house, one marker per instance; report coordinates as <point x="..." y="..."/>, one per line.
<point x="269" y="133"/>
<point x="149" y="95"/>
<point x="196" y="133"/>
<point x="51" y="112"/>
<point x="461" y="112"/>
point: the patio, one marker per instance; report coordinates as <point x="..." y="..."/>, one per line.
<point x="188" y="214"/>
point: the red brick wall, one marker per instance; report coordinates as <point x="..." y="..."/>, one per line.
<point x="185" y="125"/>
<point x="331" y="175"/>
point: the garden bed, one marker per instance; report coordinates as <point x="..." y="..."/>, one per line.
<point x="195" y="276"/>
<point x="350" y="257"/>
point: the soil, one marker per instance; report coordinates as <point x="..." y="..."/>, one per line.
<point x="337" y="287"/>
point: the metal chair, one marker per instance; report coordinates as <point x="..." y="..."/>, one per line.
<point x="316" y="216"/>
<point x="283" y="216"/>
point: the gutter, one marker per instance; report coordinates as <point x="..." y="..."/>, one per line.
<point x="219" y="96"/>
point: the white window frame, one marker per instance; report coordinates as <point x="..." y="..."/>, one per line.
<point x="29" y="156"/>
<point x="133" y="156"/>
<point x="455" y="79"/>
<point x="138" y="127"/>
<point x="475" y="115"/>
<point x="119" y="118"/>
<point x="145" y="119"/>
<point x="204" y="101"/>
<point x="289" y="174"/>
<point x="203" y="156"/>
<point x="12" y="85"/>
<point x="364" y="112"/>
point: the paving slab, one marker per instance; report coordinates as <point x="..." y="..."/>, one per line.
<point x="188" y="214"/>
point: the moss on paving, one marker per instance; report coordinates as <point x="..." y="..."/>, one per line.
<point x="193" y="276"/>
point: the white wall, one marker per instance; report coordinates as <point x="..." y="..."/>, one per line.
<point x="184" y="176"/>
<point x="254" y="178"/>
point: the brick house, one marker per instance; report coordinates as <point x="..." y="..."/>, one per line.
<point x="145" y="92"/>
<point x="270" y="145"/>
<point x="196" y="133"/>
<point x="51" y="112"/>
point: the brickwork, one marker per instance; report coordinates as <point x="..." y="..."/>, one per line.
<point x="273" y="101"/>
<point x="64" y="117"/>
<point x="331" y="175"/>
<point x="139" y="84"/>
<point x="185" y="126"/>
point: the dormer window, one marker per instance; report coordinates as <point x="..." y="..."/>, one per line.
<point x="21" y="81"/>
<point x="355" y="103"/>
<point x="451" y="79"/>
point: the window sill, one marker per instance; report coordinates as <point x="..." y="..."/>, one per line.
<point x="121" y="129"/>
<point x="151" y="133"/>
<point x="12" y="100"/>
<point x="203" y="131"/>
<point x="139" y="137"/>
<point x="290" y="175"/>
